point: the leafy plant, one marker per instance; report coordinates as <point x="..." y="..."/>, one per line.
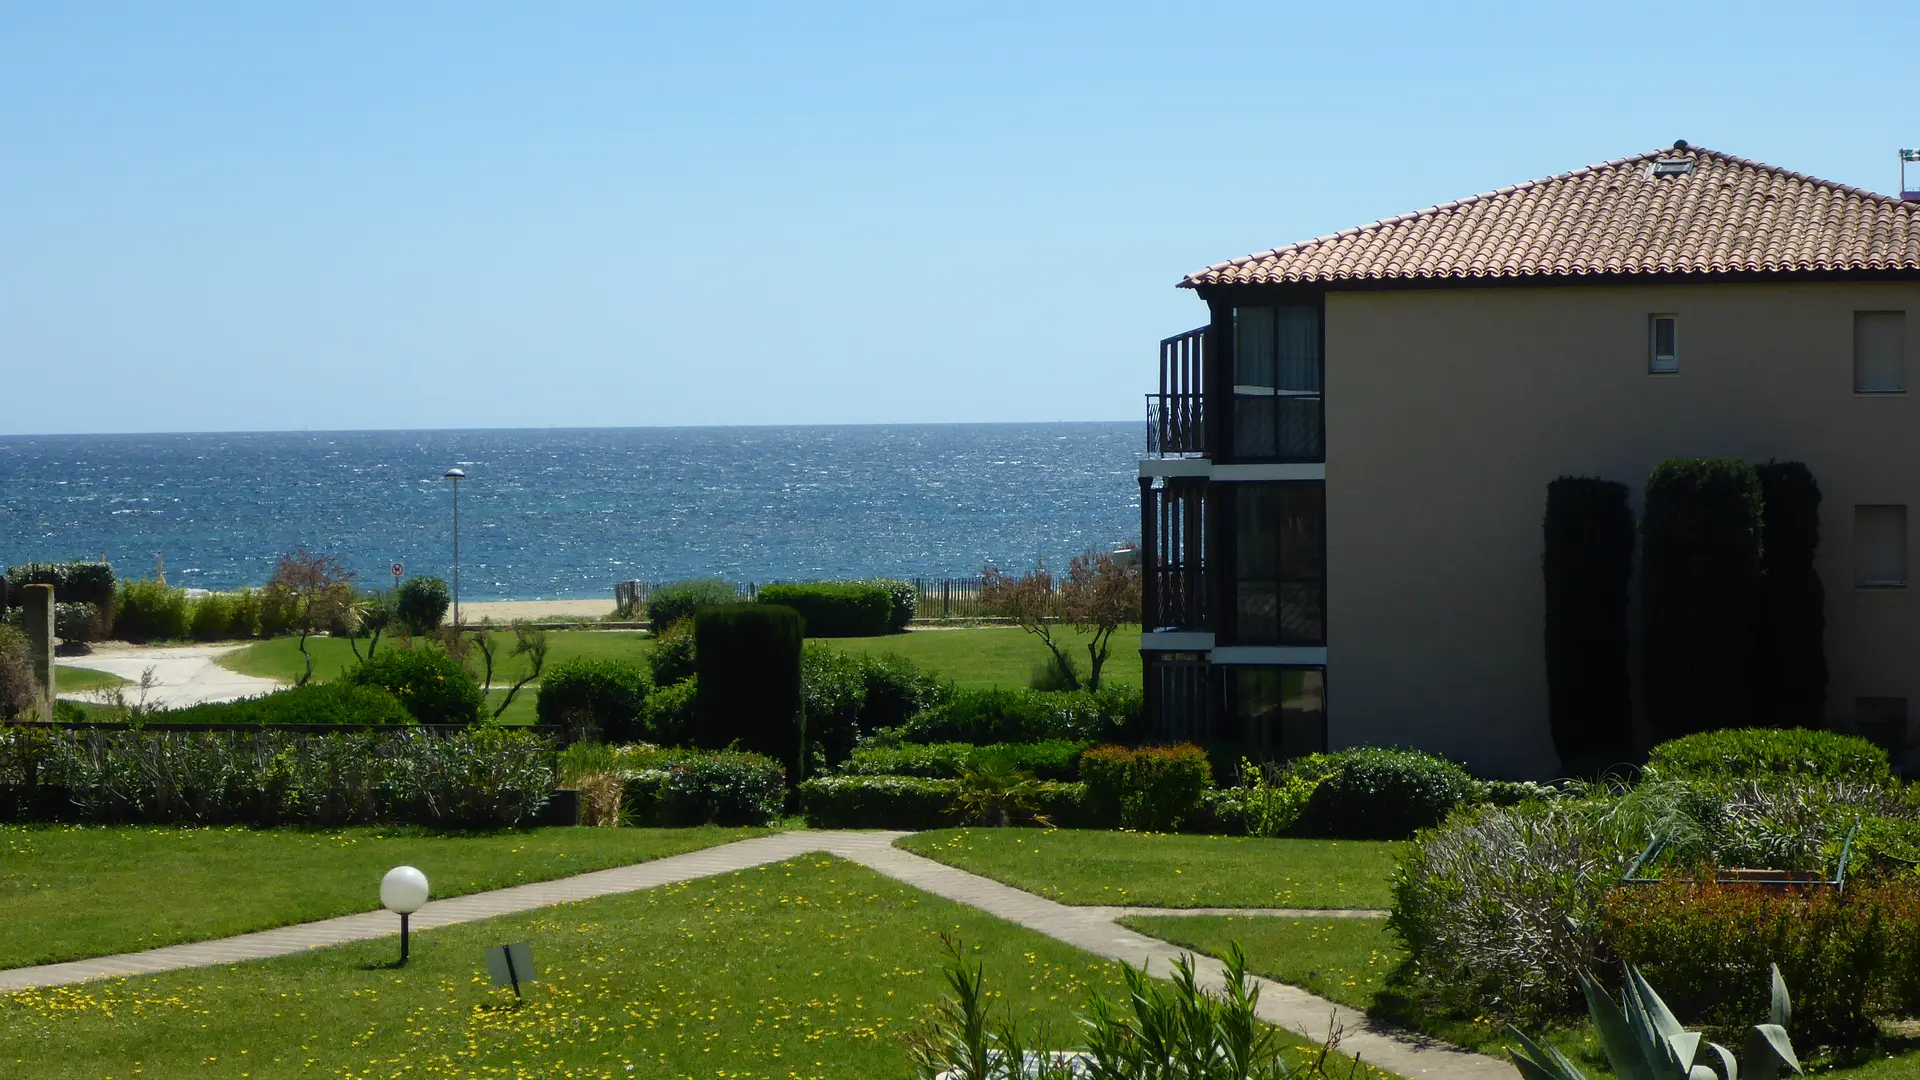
<point x="607" y="696"/>
<point x="668" y="716"/>
<point x="1004" y="716"/>
<point x="672" y="657"/>
<point x="677" y="600"/>
<point x="150" y="610"/>
<point x="1374" y="793"/>
<point x="995" y="792"/>
<point x="422" y="603"/>
<point x="19" y="691"/>
<point x="1152" y="789"/>
<point x="434" y="687"/>
<point x="1761" y="753"/>
<point x="1643" y="1041"/>
<point x="836" y="608"/>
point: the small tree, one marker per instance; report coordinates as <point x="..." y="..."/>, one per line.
<point x="320" y="590"/>
<point x="529" y="641"/>
<point x="1100" y="595"/>
<point x="1029" y="601"/>
<point x="376" y="615"/>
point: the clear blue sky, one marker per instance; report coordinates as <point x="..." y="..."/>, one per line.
<point x="250" y="216"/>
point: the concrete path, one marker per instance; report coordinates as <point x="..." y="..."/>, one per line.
<point x="184" y="675"/>
<point x="1250" y="912"/>
<point x="1089" y="928"/>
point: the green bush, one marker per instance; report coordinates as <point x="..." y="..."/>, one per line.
<point x="877" y="802"/>
<point x="896" y="690"/>
<point x="223" y="616"/>
<point x="1767" y="753"/>
<point x="19" y="694"/>
<point x="836" y="608"/>
<point x="314" y="703"/>
<point x="834" y="695"/>
<point x="1053" y="759"/>
<point x="1110" y="714"/>
<point x="1708" y="947"/>
<point x="422" y="603"/>
<point x="670" y="713"/>
<point x="73" y="583"/>
<point x="905" y="599"/>
<point x="698" y="788"/>
<point x="1588" y="562"/>
<point x="78" y="623"/>
<point x="1791" y="622"/>
<point x="1699" y="587"/>
<point x="609" y="696"/>
<point x="486" y="778"/>
<point x="434" y="687"/>
<point x="749" y="681"/>
<point x="670" y="603"/>
<point x="1374" y="793"/>
<point x="1151" y="789"/>
<point x="149" y="610"/>
<point x="672" y="657"/>
<point x="278" y="610"/>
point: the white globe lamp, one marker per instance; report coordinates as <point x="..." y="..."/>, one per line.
<point x="403" y="891"/>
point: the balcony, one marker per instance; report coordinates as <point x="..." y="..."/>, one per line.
<point x="1176" y="419"/>
<point x="1174" y="589"/>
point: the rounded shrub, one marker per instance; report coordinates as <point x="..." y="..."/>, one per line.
<point x="672" y="658"/>
<point x="672" y="602"/>
<point x="342" y="703"/>
<point x="833" y="693"/>
<point x="1373" y="793"/>
<point x="608" y="695"/>
<point x="1766" y="753"/>
<point x="1151" y="789"/>
<point x="422" y="603"/>
<point x="905" y="601"/>
<point x="434" y="687"/>
<point x="836" y="608"/>
<point x="895" y="690"/>
<point x="149" y="610"/>
<point x="668" y="716"/>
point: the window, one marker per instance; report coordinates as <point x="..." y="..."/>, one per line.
<point x="1880" y="547"/>
<point x="1276" y="383"/>
<point x="1879" y="352"/>
<point x="1663" y="344"/>
<point x="1882" y="721"/>
<point x="1278" y="712"/>
<point x="1280" y="566"/>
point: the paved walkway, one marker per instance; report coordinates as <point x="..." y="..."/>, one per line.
<point x="183" y="675"/>
<point x="1090" y="928"/>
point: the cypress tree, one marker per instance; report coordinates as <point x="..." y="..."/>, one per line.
<point x="1587" y="561"/>
<point x="747" y="657"/>
<point x="1699" y="593"/>
<point x="1790" y="626"/>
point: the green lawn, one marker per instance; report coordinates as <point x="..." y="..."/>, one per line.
<point x="279" y="658"/>
<point x="1155" y="870"/>
<point x="985" y="657"/>
<point x="811" y="968"/>
<point x="75" y="891"/>
<point x="79" y="680"/>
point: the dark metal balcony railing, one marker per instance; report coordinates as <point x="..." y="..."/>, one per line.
<point x="1178" y="597"/>
<point x="1175" y="416"/>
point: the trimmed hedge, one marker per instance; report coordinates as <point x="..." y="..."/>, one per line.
<point x="1765" y="753"/>
<point x="314" y="703"/>
<point x="670" y="603"/>
<point x="73" y="583"/>
<point x="149" y="610"/>
<point x="673" y="788"/>
<point x="748" y="660"/>
<point x="1151" y="789"/>
<point x="1374" y="793"/>
<point x="1587" y="562"/>
<point x="422" y="603"/>
<point x="434" y="687"/>
<point x="71" y="622"/>
<point x="983" y="717"/>
<point x="905" y="599"/>
<point x="1790" y="626"/>
<point x="911" y="802"/>
<point x="485" y="778"/>
<point x="836" y="608"/>
<point x="607" y="695"/>
<point x="1699" y="590"/>
<point x="1053" y="759"/>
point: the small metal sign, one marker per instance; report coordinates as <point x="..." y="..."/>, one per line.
<point x="511" y="965"/>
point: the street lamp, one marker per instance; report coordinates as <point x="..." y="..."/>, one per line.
<point x="456" y="475"/>
<point x="402" y="892"/>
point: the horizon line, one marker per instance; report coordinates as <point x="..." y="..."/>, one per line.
<point x="551" y="427"/>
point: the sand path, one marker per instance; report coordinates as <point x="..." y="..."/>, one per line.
<point x="183" y="674"/>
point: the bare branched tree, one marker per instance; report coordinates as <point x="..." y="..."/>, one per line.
<point x="322" y="592"/>
<point x="1101" y="594"/>
<point x="1028" y="600"/>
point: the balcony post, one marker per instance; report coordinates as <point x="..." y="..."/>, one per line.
<point x="1149" y="558"/>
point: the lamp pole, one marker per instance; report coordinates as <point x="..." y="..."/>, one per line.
<point x="456" y="475"/>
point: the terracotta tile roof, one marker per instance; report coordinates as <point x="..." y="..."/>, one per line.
<point x="1725" y="215"/>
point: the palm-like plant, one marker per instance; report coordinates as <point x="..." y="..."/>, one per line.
<point x="993" y="791"/>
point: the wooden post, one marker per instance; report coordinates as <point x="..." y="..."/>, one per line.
<point x="39" y="605"/>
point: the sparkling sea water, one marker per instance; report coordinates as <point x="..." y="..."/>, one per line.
<point x="565" y="513"/>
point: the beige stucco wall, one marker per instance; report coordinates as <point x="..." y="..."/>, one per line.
<point x="1449" y="411"/>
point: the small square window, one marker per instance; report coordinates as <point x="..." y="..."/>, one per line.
<point x="1879" y="352"/>
<point x="1663" y="344"/>
<point x="1880" y="547"/>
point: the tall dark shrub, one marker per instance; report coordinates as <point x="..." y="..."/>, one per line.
<point x="1791" y="625"/>
<point x="1587" y="561"/>
<point x="1699" y="590"/>
<point x="747" y="663"/>
<point x="422" y="603"/>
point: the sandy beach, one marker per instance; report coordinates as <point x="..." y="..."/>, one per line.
<point x="501" y="611"/>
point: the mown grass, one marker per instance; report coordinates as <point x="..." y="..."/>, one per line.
<point x="811" y="968"/>
<point x="279" y="658"/>
<point x="79" y="680"/>
<point x="1077" y="866"/>
<point x="70" y="891"/>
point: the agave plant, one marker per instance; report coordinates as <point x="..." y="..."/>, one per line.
<point x="1644" y="1042"/>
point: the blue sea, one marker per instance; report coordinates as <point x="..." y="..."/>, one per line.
<point x="551" y="514"/>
